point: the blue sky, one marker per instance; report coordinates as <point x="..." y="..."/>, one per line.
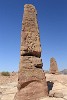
<point x="52" y="20"/>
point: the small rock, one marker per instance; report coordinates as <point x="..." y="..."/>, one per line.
<point x="51" y="93"/>
<point x="58" y="95"/>
<point x="65" y="97"/>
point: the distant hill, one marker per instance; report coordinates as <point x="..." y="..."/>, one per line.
<point x="64" y="71"/>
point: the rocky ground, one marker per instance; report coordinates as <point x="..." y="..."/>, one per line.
<point x="8" y="86"/>
<point x="57" y="87"/>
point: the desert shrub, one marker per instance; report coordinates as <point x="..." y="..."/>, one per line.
<point x="5" y="73"/>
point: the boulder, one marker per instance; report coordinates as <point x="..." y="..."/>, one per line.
<point x="58" y="95"/>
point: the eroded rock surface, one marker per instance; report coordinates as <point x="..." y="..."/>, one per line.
<point x="30" y="39"/>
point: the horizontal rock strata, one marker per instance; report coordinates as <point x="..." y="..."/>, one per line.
<point x="30" y="62"/>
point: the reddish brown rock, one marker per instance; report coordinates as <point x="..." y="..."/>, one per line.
<point x="53" y="66"/>
<point x="31" y="78"/>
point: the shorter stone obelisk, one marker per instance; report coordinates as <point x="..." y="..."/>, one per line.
<point x="53" y="66"/>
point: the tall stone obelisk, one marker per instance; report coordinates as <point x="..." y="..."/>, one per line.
<point x="31" y="78"/>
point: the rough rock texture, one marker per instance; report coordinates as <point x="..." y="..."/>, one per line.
<point x="31" y="78"/>
<point x="29" y="62"/>
<point x="53" y="66"/>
